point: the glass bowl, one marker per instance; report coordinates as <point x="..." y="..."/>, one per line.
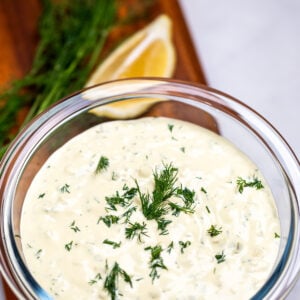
<point x="201" y="105"/>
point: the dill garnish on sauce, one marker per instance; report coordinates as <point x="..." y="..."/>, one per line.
<point x="65" y="188"/>
<point x="220" y="257"/>
<point x="74" y="227"/>
<point x="95" y="279"/>
<point x="214" y="231"/>
<point x="254" y="183"/>
<point x="69" y="246"/>
<point x="122" y="200"/>
<point x="111" y="281"/>
<point x="108" y="220"/>
<point x="41" y="196"/>
<point x="156" y="261"/>
<point x="183" y="245"/>
<point x="102" y="165"/>
<point x="112" y="243"/>
<point x="157" y="205"/>
<point x="136" y="229"/>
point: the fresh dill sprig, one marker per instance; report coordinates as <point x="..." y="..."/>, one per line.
<point x="72" y="34"/>
<point x="214" y="231"/>
<point x="242" y="183"/>
<point x="102" y="165"/>
<point x="136" y="230"/>
<point x="111" y="281"/>
<point x="156" y="261"/>
<point x="157" y="206"/>
<point x="164" y="186"/>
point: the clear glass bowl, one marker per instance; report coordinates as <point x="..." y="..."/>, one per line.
<point x="198" y="104"/>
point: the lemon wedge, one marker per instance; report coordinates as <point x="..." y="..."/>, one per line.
<point x="147" y="53"/>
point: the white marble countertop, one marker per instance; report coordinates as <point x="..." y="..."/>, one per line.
<point x="251" y="50"/>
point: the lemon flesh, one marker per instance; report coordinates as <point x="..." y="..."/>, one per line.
<point x="148" y="53"/>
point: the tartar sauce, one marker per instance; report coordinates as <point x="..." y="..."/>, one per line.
<point x="154" y="208"/>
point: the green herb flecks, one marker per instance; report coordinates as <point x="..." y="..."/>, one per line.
<point x="214" y="231"/>
<point x="156" y="261"/>
<point x="74" y="227"/>
<point x="183" y="245"/>
<point x="65" y="188"/>
<point x="136" y="230"/>
<point x="41" y="196"/>
<point x="38" y="253"/>
<point x="112" y="243"/>
<point x="128" y="213"/>
<point x="108" y="220"/>
<point x="207" y="208"/>
<point x="220" y="257"/>
<point x="170" y="247"/>
<point x="203" y="190"/>
<point x="95" y="279"/>
<point x="188" y="198"/>
<point x="276" y="235"/>
<point x="111" y="281"/>
<point x="102" y="165"/>
<point x="176" y="209"/>
<point x="242" y="183"/>
<point x="122" y="200"/>
<point x="69" y="246"/>
<point x="114" y="176"/>
<point x="170" y="127"/>
<point x="162" y="224"/>
<point x="71" y="36"/>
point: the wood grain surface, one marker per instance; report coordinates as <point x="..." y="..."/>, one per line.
<point x="19" y="37"/>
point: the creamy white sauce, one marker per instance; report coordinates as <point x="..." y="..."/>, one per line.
<point x="62" y="235"/>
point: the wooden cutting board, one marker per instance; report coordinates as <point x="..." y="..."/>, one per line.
<point x="19" y="37"/>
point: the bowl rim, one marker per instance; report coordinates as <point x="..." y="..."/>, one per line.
<point x="19" y="146"/>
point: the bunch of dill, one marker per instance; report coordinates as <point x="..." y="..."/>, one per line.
<point x="71" y="36"/>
